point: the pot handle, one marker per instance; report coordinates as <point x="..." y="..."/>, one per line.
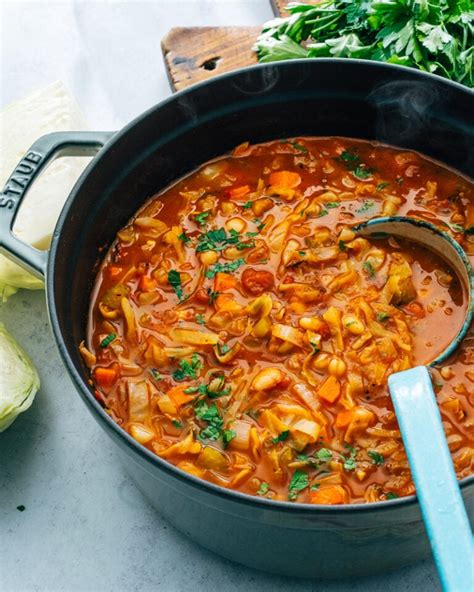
<point x="43" y="151"/>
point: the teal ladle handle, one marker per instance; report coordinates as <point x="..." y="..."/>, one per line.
<point x="438" y="492"/>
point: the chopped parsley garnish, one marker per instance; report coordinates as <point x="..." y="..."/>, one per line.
<point x="177" y="424"/>
<point x="369" y="268"/>
<point x="281" y="437"/>
<point x="174" y="280"/>
<point x="299" y="481"/>
<point x="342" y="245"/>
<point x="315" y="346"/>
<point x="263" y="489"/>
<point x="382" y="317"/>
<point x="218" y="240"/>
<point x="213" y="417"/>
<point x="390" y="495"/>
<point x="185" y="238"/>
<point x="299" y="147"/>
<point x="212" y="295"/>
<point x="377" y="459"/>
<point x="259" y="223"/>
<point x="353" y="164"/>
<point x="322" y="213"/>
<point x="350" y="462"/>
<point x="367" y="205"/>
<point x="200" y="319"/>
<point x="224" y="268"/>
<point x="213" y="390"/>
<point x="362" y="172"/>
<point x="188" y="369"/>
<point x="315" y="486"/>
<point x="201" y="218"/>
<point x="155" y="374"/>
<point x="323" y="454"/>
<point x="228" y="436"/>
<point x="107" y="340"/>
<point x="247" y="205"/>
<point x="333" y="204"/>
<point x="381" y="186"/>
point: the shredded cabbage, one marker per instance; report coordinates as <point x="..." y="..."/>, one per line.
<point x="19" y="380"/>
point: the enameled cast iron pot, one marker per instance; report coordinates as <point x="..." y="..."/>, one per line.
<point x="321" y="97"/>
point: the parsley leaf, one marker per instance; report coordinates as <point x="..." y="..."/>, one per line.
<point x="390" y="495"/>
<point x="333" y="204"/>
<point x="299" y="147"/>
<point x="369" y="268"/>
<point x="224" y="267"/>
<point x="212" y="295"/>
<point x="184" y="237"/>
<point x="200" y="319"/>
<point x="212" y="415"/>
<point x="174" y="280"/>
<point x="107" y="340"/>
<point x="247" y="205"/>
<point x="218" y="240"/>
<point x="367" y="205"/>
<point x="228" y="436"/>
<point x="201" y="218"/>
<point x="382" y="185"/>
<point x="177" y="424"/>
<point x="350" y="463"/>
<point x="323" y="454"/>
<point x="299" y="481"/>
<point x="263" y="489"/>
<point x="281" y="437"/>
<point x="188" y="369"/>
<point x="155" y="374"/>
<point x="377" y="459"/>
<point x="436" y="37"/>
<point x="342" y="246"/>
<point x="382" y="317"/>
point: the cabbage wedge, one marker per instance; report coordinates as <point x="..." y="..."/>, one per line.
<point x="19" y="380"/>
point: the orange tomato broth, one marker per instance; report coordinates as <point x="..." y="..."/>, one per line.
<point x="242" y="331"/>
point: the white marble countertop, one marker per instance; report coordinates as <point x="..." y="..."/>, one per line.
<point x="85" y="527"/>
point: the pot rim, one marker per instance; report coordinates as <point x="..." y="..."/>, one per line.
<point x="84" y="390"/>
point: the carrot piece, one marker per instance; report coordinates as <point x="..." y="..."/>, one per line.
<point x="330" y="389"/>
<point x="147" y="284"/>
<point x="334" y="494"/>
<point x="343" y="419"/>
<point x="114" y="271"/>
<point x="285" y="179"/>
<point x="237" y="192"/>
<point x="416" y="309"/>
<point x="105" y="377"/>
<point x="224" y="281"/>
<point x="178" y="396"/>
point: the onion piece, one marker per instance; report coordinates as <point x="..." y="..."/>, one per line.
<point x="288" y="333"/>
<point x="241" y="441"/>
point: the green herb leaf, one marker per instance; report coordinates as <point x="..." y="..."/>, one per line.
<point x="107" y="340"/>
<point x="212" y="295"/>
<point x="382" y="317"/>
<point x="228" y="436"/>
<point x="263" y="489"/>
<point x="200" y="319"/>
<point x="201" y="218"/>
<point x="367" y="205"/>
<point x="299" y="147"/>
<point x="350" y="463"/>
<point x="390" y="495"/>
<point x="185" y="238"/>
<point x="333" y="204"/>
<point x="369" y="268"/>
<point x="342" y="246"/>
<point x="299" y="481"/>
<point x="281" y="437"/>
<point x="382" y="185"/>
<point x="155" y="374"/>
<point x="315" y="486"/>
<point x="188" y="369"/>
<point x="247" y="205"/>
<point x="377" y="459"/>
<point x="174" y="280"/>
<point x="323" y="454"/>
<point x="177" y="424"/>
<point x="224" y="267"/>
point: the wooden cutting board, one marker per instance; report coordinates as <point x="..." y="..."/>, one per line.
<point x="193" y="54"/>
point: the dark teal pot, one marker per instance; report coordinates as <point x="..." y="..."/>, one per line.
<point x="322" y="97"/>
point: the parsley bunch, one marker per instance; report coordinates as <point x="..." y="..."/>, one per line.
<point x="436" y="36"/>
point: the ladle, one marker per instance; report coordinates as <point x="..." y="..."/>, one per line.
<point x="418" y="416"/>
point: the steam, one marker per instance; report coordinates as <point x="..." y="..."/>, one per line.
<point x="257" y="81"/>
<point x="404" y="109"/>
